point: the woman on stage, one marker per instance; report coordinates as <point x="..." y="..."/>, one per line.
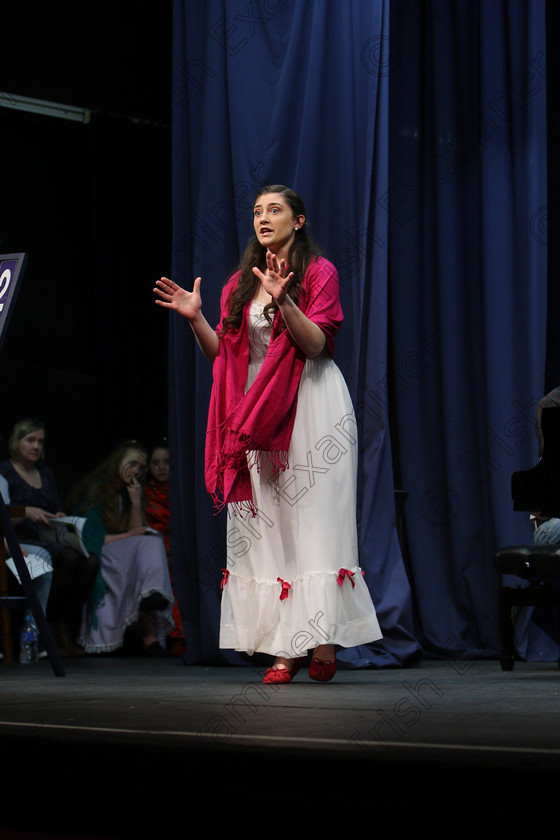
<point x="281" y="448"/>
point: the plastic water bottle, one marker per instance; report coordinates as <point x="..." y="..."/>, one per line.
<point x="28" y="641"/>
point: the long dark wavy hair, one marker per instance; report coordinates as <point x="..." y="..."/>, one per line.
<point x="302" y="251"/>
<point x="103" y="488"/>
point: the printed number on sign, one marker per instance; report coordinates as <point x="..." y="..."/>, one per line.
<point x="5" y="279"/>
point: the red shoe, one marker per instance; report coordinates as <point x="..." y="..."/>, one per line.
<point x="321" y="670"/>
<point x="282" y="675"/>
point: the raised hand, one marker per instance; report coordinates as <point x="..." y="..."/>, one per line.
<point x="189" y="305"/>
<point x="172" y="296"/>
<point x="277" y="278"/>
<point x="135" y="491"/>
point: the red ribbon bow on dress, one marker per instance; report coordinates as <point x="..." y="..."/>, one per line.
<point x="345" y="573"/>
<point x="224" y="578"/>
<point x="285" y="587"/>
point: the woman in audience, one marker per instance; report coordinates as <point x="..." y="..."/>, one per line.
<point x="31" y="483"/>
<point x="133" y="585"/>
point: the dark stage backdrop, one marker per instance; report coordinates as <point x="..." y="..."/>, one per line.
<point x="468" y="267"/>
<point x="416" y="133"/>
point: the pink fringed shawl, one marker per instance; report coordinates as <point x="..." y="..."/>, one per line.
<point x="262" y="419"/>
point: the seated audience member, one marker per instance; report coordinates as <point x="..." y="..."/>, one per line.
<point x="133" y="585"/>
<point x="547" y="530"/>
<point x="31" y="484"/>
<point x="158" y="516"/>
<point x="42" y="583"/>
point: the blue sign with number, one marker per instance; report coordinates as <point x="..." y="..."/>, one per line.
<point x="11" y="272"/>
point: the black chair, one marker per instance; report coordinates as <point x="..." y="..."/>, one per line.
<point x="28" y="600"/>
<point x="5" y="621"/>
<point x="538" y="567"/>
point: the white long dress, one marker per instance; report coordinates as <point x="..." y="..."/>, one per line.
<point x="293" y="580"/>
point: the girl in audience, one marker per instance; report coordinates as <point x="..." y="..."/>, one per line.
<point x="133" y="586"/>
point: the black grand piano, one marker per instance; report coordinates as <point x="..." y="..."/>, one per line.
<point x="538" y="490"/>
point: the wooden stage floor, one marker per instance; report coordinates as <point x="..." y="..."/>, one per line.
<point x="128" y="747"/>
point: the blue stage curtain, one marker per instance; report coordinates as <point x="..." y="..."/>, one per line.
<point x="468" y="264"/>
<point x="293" y="92"/>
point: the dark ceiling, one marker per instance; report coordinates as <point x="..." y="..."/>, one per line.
<point x="113" y="57"/>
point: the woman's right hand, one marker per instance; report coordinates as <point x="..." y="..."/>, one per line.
<point x="36" y="514"/>
<point x="189" y="304"/>
<point x="172" y="296"/>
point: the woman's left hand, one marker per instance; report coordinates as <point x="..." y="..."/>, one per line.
<point x="277" y="278"/>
